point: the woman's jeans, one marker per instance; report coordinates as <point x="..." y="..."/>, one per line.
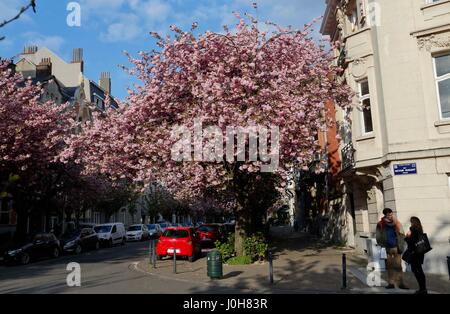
<point x="416" y="268"/>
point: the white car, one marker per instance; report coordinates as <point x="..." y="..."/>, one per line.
<point x="137" y="233"/>
<point x="112" y="233"/>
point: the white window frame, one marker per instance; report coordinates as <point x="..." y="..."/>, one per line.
<point x="437" y="80"/>
<point x="361" y="103"/>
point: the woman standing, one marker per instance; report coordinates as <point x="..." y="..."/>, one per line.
<point x="416" y="259"/>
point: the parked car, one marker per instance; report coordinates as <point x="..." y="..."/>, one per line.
<point x="112" y="233"/>
<point x="80" y="240"/>
<point x="137" y="232"/>
<point x="154" y="230"/>
<point x="210" y="233"/>
<point x="184" y="241"/>
<point x="164" y="225"/>
<point x="89" y="225"/>
<point x="42" y="245"/>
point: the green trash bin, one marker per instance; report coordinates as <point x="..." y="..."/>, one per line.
<point x="214" y="263"/>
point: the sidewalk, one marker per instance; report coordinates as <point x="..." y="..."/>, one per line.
<point x="301" y="265"/>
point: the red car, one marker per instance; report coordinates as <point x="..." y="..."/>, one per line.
<point x="210" y="233"/>
<point x="183" y="239"/>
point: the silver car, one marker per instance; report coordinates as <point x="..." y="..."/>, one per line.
<point x="154" y="230"/>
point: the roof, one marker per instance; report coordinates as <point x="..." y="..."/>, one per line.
<point x="68" y="93"/>
<point x="99" y="92"/>
<point x="329" y="22"/>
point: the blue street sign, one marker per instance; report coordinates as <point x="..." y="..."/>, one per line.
<point x="405" y="169"/>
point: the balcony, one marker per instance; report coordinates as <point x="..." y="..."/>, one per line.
<point x="348" y="157"/>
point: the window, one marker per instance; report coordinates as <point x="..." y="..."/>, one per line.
<point x="4" y="212"/>
<point x="442" y="75"/>
<point x="366" y="110"/>
<point x="354" y="19"/>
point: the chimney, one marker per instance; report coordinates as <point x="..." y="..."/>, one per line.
<point x="29" y="50"/>
<point x="44" y="68"/>
<point x="78" y="57"/>
<point x="105" y="82"/>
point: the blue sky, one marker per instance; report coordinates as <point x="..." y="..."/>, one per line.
<point x="110" y="26"/>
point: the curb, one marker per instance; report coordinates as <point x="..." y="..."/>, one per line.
<point x="221" y="284"/>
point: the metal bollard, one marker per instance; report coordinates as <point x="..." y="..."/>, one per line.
<point x="154" y="254"/>
<point x="448" y="265"/>
<point x="174" y="260"/>
<point x="270" y="268"/>
<point x="344" y="271"/>
<point x="150" y="252"/>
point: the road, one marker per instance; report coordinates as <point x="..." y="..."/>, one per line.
<point x="109" y="270"/>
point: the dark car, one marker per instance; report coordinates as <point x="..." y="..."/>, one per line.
<point x="42" y="245"/>
<point x="210" y="233"/>
<point x="80" y="240"/>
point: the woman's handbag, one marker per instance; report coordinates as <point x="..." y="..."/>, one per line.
<point x="407" y="256"/>
<point x="422" y="246"/>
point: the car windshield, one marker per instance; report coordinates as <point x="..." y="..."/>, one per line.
<point x="207" y="228"/>
<point x="103" y="229"/>
<point x="70" y="234"/>
<point x="134" y="228"/>
<point x="176" y="234"/>
<point x="151" y="227"/>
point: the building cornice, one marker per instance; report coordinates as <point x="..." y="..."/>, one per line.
<point x="431" y="30"/>
<point x="406" y="155"/>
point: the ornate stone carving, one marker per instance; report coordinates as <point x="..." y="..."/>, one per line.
<point x="359" y="68"/>
<point x="433" y="41"/>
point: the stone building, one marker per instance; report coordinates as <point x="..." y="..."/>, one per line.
<point x="396" y="151"/>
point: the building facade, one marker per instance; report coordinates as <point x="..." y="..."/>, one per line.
<point x="62" y="82"/>
<point x="395" y="152"/>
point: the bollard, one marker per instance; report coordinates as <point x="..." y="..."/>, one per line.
<point x="344" y="271"/>
<point x="448" y="265"/>
<point x="150" y="252"/>
<point x="270" y="267"/>
<point x="154" y="253"/>
<point x="174" y="260"/>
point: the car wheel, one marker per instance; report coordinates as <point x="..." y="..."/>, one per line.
<point x="78" y="249"/>
<point x="191" y="259"/>
<point x="160" y="257"/>
<point x="97" y="245"/>
<point x="55" y="253"/>
<point x="123" y="241"/>
<point x="24" y="259"/>
<point x="110" y="243"/>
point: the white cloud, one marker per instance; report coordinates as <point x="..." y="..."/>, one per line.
<point x="10" y="8"/>
<point x="125" y="20"/>
<point x="126" y="28"/>
<point x="54" y="43"/>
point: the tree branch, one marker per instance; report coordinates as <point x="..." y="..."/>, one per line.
<point x="32" y="5"/>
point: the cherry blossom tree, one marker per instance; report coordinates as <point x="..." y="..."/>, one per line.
<point x="242" y="77"/>
<point x="31" y="138"/>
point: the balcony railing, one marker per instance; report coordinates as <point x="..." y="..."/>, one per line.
<point x="348" y="157"/>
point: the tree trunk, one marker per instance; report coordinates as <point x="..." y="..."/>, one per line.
<point x="240" y="230"/>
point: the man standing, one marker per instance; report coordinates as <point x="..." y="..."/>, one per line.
<point x="390" y="236"/>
